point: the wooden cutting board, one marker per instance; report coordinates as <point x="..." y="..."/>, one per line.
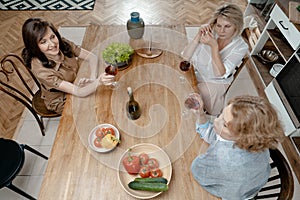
<point x="294" y="14"/>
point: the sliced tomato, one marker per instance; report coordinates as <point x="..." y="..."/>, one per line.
<point x="144" y="171"/>
<point x="99" y="133"/>
<point x="154" y="173"/>
<point x="108" y="130"/>
<point x="97" y="142"/>
<point x="153" y="163"/>
<point x="144" y="158"/>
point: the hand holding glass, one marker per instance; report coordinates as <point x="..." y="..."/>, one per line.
<point x="112" y="70"/>
<point x="191" y="103"/>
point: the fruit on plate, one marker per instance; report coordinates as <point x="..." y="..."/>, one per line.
<point x="131" y="163"/>
<point x="101" y="132"/>
<point x="97" y="142"/>
<point x="153" y="163"/>
<point x="144" y="171"/>
<point x="109" y="141"/>
<point x="156" y="172"/>
<point x="108" y="130"/>
<point x="144" y="158"/>
<point x="152" y="180"/>
<point x="148" y="186"/>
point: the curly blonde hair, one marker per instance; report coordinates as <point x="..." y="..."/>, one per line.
<point x="233" y="14"/>
<point x="255" y="122"/>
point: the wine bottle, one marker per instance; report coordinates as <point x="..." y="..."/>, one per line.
<point x="132" y="106"/>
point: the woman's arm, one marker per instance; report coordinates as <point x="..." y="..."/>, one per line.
<point x="203" y="127"/>
<point x="217" y="63"/>
<point x="201" y="118"/>
<point x="88" y="89"/>
<point x="188" y="51"/>
<point x="93" y="62"/>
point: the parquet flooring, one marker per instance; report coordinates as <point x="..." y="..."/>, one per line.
<point x="106" y="12"/>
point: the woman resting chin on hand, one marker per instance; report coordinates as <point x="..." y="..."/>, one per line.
<point x="53" y="61"/>
<point x="215" y="52"/>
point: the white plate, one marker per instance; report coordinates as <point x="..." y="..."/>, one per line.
<point x="93" y="136"/>
<point x="154" y="152"/>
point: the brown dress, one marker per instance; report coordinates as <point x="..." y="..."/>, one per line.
<point x="51" y="78"/>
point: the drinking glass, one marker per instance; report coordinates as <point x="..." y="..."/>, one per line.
<point x="184" y="66"/>
<point x="190" y="103"/>
<point x="112" y="70"/>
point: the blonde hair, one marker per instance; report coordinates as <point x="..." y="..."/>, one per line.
<point x="231" y="13"/>
<point x="255" y="122"/>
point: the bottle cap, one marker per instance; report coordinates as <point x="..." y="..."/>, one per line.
<point x="129" y="90"/>
<point x="135" y="16"/>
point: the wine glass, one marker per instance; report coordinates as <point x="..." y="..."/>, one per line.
<point x="184" y="66"/>
<point x="190" y="103"/>
<point x="112" y="70"/>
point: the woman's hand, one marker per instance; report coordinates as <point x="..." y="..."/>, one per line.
<point x="106" y="79"/>
<point x="204" y="30"/>
<point x="206" y="36"/>
<point x="201" y="117"/>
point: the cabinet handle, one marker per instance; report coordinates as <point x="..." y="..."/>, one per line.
<point x="281" y="23"/>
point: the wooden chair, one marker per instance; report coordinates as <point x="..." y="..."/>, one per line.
<point x="19" y="82"/>
<point x="280" y="184"/>
<point x="12" y="157"/>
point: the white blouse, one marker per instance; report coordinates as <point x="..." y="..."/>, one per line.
<point x="231" y="56"/>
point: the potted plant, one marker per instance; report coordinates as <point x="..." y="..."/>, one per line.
<point x="118" y="54"/>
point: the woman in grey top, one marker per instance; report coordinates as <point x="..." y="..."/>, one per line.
<point x="236" y="164"/>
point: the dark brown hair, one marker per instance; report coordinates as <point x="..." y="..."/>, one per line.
<point x="33" y="30"/>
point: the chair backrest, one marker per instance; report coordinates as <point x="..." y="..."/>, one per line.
<point x="17" y="80"/>
<point x="280" y="184"/>
<point x="238" y="69"/>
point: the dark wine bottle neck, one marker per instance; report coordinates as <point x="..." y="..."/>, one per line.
<point x="131" y="98"/>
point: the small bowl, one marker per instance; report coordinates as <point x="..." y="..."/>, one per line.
<point x="268" y="56"/>
<point x="276" y="69"/>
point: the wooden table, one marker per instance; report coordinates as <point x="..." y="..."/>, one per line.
<point x="75" y="171"/>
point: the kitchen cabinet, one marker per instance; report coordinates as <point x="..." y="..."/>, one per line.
<point x="279" y="34"/>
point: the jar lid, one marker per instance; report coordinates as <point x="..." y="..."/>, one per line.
<point x="135" y="16"/>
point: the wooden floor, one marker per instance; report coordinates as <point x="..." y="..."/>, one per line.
<point x="106" y="12"/>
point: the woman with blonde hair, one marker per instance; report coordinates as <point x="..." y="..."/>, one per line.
<point x="215" y="52"/>
<point x="236" y="164"/>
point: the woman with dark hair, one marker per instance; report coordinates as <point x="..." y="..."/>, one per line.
<point x="53" y="60"/>
<point x="236" y="164"/>
<point x="215" y="52"/>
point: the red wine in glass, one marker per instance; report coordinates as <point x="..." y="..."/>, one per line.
<point x="184" y="65"/>
<point x="112" y="70"/>
<point x="191" y="103"/>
